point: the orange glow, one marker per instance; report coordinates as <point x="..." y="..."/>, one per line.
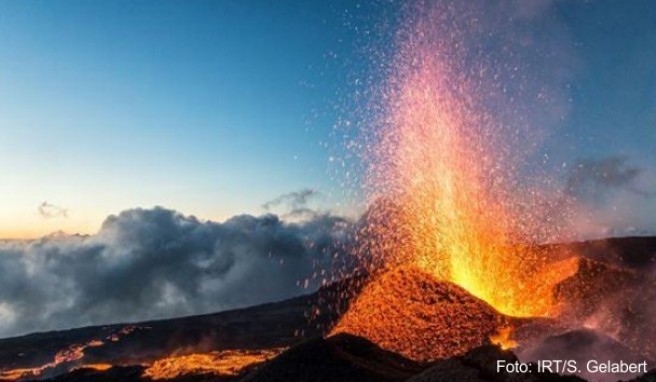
<point x="16" y="374"/>
<point x="19" y="225"/>
<point x="503" y="340"/>
<point x="70" y="355"/>
<point x="219" y="363"/>
<point x="442" y="183"/>
<point x="408" y="311"/>
<point x="95" y="366"/>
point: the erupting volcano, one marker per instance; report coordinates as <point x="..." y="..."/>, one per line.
<point x="452" y="204"/>
<point x="443" y="173"/>
<point x="459" y="261"/>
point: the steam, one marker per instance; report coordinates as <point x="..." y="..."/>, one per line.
<point x="595" y="178"/>
<point x="154" y="263"/>
<point x="614" y="197"/>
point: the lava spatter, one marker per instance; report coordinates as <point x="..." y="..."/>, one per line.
<point x="410" y="312"/>
<point x="442" y="172"/>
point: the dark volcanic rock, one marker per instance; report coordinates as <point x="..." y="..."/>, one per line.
<point x="128" y="374"/>
<point x="480" y="365"/>
<point x="613" y="300"/>
<point x="638" y="252"/>
<point x="649" y="377"/>
<point x="582" y="346"/>
<point x="342" y="358"/>
<point x="593" y="280"/>
<point x="278" y="324"/>
<point x="115" y="374"/>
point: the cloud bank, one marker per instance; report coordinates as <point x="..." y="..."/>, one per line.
<point x="154" y="263"/>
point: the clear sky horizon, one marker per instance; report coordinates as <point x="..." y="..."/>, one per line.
<point x="213" y="108"/>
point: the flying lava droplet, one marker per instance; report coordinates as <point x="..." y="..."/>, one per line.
<point x="443" y="172"/>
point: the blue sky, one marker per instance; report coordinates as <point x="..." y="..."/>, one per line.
<point x="209" y="107"/>
<point x="215" y="107"/>
<point x="614" y="90"/>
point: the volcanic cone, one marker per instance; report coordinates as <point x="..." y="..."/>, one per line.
<point x="409" y="312"/>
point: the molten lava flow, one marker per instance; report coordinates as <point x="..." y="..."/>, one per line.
<point x="218" y="363"/>
<point x="503" y="340"/>
<point x="71" y="355"/>
<point x="443" y="178"/>
<point x="75" y="352"/>
<point x="16" y="374"/>
<point x="95" y="366"/>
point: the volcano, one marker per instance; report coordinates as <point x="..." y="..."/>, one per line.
<point x="408" y="311"/>
<point x="401" y="324"/>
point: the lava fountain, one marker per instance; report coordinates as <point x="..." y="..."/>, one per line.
<point x="444" y="172"/>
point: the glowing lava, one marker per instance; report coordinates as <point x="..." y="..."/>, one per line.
<point x="218" y="363"/>
<point x="408" y="311"/>
<point x="443" y="176"/>
<point x="70" y="354"/>
<point x="68" y="357"/>
<point x="503" y="340"/>
<point x="95" y="366"/>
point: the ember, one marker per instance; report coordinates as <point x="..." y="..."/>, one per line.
<point x="442" y="179"/>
